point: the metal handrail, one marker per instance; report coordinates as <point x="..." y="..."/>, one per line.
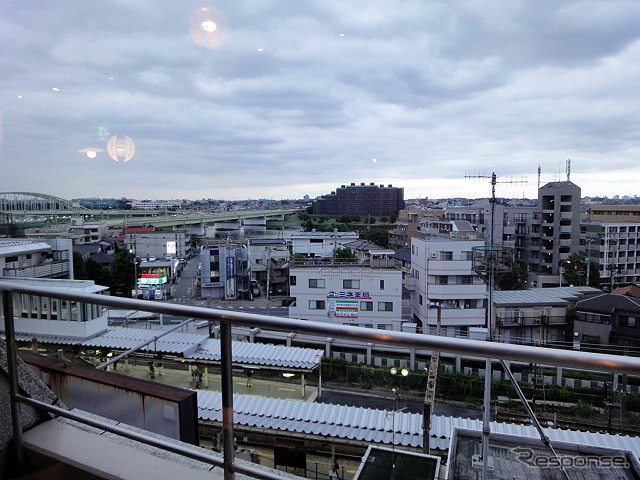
<point x="476" y="348"/>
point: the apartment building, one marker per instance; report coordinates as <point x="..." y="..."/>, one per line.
<point x="408" y="221"/>
<point x="542" y="236"/>
<point x="442" y="275"/>
<point x="354" y="294"/>
<point x="361" y="200"/>
<point x="554" y="233"/>
<point x="614" y="213"/>
<point x="158" y="244"/>
<point x="537" y="315"/>
<point x="615" y="248"/>
<point x="155" y="204"/>
<point x="225" y="271"/>
<point x="30" y="258"/>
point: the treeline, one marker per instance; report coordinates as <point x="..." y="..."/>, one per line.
<point x="373" y="229"/>
<point x="119" y="275"/>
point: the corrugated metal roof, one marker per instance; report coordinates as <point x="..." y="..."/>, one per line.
<point x="260" y="354"/>
<point x="542" y="296"/>
<point x="377" y="426"/>
<point x="194" y="346"/>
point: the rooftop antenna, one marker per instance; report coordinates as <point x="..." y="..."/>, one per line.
<point x="488" y="261"/>
<point x="568" y="168"/>
<point x="539" y="171"/>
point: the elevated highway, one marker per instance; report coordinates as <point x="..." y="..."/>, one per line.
<point x="176" y="219"/>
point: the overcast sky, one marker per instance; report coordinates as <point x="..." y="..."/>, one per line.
<point x="299" y="97"/>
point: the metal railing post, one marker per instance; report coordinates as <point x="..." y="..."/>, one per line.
<point x="226" y="370"/>
<point x="12" y="370"/>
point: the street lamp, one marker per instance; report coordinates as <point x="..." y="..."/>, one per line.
<point x="396" y="393"/>
<point x="562" y="269"/>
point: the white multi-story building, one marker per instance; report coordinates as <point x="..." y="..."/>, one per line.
<point x="154" y="204"/>
<point x="615" y="248"/>
<point x="351" y="294"/>
<point x="36" y="315"/>
<point x="26" y="258"/>
<point x="320" y="244"/>
<point x="159" y="244"/>
<point x="442" y="274"/>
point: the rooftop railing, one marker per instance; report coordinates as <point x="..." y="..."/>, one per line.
<point x="493" y="350"/>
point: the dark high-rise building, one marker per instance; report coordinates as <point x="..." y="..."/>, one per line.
<point x="361" y="200"/>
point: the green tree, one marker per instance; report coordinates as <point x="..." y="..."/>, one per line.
<point x="574" y="270"/>
<point x="344" y="255"/>
<point x="96" y="272"/>
<point x="79" y="271"/>
<point x="513" y="279"/>
<point x="377" y="235"/>
<point x="307" y="225"/>
<point x="123" y="276"/>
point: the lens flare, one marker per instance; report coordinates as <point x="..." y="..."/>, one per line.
<point x="121" y="148"/>
<point x="91" y="152"/>
<point x="208" y="27"/>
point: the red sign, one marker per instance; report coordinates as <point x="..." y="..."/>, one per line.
<point x="149" y="275"/>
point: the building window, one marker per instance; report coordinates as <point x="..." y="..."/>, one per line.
<point x="316" y="304"/>
<point x="316" y="283"/>
<point x="348" y="283"/>
<point x="366" y="306"/>
<point x="626" y="321"/>
<point x="420" y="299"/>
<point x="385" y="306"/>
<point x="446" y="255"/>
<point x="466" y="280"/>
<point x="470" y="303"/>
<point x="292" y="280"/>
<point x="381" y="284"/>
<point x="442" y="280"/>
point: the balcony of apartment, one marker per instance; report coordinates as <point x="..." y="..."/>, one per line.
<point x="410" y="282"/>
<point x="508" y="321"/>
<point x="450" y="267"/>
<point x="53" y="269"/>
<point x="554" y="319"/>
<point x="566" y="215"/>
<point x="456" y="290"/>
<point x="119" y="454"/>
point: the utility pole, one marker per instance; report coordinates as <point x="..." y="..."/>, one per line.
<point x="487" y="261"/>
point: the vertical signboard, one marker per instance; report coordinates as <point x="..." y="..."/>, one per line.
<point x="171" y="248"/>
<point x="230" y="270"/>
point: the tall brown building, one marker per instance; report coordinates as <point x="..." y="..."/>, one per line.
<point x="361" y="200"/>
